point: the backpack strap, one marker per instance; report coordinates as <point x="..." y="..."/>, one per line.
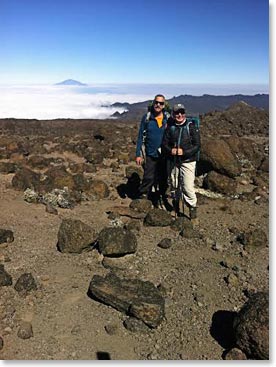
<point x="172" y="128"/>
<point x="147" y="116"/>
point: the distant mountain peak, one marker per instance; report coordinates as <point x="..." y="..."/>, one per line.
<point x="70" y="82"/>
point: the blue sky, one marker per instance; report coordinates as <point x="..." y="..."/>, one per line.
<point x="118" y="41"/>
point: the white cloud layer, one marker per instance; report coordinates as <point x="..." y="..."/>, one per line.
<point x="51" y="102"/>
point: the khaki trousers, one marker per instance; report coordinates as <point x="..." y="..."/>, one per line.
<point x="182" y="181"/>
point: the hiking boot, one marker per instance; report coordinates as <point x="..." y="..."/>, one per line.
<point x="192" y="212"/>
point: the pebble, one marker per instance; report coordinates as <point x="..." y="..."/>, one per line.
<point x="232" y="280"/>
<point x="25" y="330"/>
<point x="7" y="330"/>
<point x="217" y="247"/>
<point x="111" y="329"/>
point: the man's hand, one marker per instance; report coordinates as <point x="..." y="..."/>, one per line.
<point x="139" y="161"/>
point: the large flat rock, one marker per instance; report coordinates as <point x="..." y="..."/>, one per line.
<point x="132" y="296"/>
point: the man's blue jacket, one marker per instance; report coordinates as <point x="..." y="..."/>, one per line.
<point x="153" y="136"/>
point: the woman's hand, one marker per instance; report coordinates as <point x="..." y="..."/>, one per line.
<point x="177" y="151"/>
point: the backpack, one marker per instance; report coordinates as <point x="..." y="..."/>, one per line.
<point x="190" y="119"/>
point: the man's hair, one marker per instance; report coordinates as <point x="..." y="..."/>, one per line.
<point x="159" y="95"/>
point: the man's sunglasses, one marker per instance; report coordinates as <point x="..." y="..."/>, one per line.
<point x="181" y="111"/>
<point x="158" y="102"/>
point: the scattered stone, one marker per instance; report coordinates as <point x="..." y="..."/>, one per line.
<point x="252" y="327"/>
<point x="97" y="190"/>
<point x="181" y="223"/>
<point x="163" y="290"/>
<point x="141" y="205"/>
<point x="6" y="236"/>
<point x="224" y="264"/>
<point x="5" y="278"/>
<point x="7" y="167"/>
<point x="76" y="330"/>
<point x="116" y="222"/>
<point x="116" y="242"/>
<point x="232" y="280"/>
<point x="59" y="197"/>
<point x="30" y="196"/>
<point x="134" y="325"/>
<point x="133" y="225"/>
<point x="1" y="343"/>
<point x="25" y="178"/>
<point x="112" y="215"/>
<point x="111" y="329"/>
<point x="165" y="243"/>
<point x="217" y="247"/>
<point x="39" y="162"/>
<point x="74" y="236"/>
<point x="25" y="283"/>
<point x="158" y="218"/>
<point x="117" y="263"/>
<point x="126" y="212"/>
<point x="219" y="183"/>
<point x="254" y="238"/>
<point x="51" y="209"/>
<point x="235" y="354"/>
<point x="25" y="330"/>
<point x="190" y="232"/>
<point x="138" y="298"/>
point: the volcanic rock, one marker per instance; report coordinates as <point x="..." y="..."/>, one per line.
<point x="117" y="241"/>
<point x="138" y="298"/>
<point x="74" y="236"/>
<point x="252" y="327"/>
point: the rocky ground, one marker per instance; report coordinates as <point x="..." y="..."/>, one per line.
<point x="204" y="276"/>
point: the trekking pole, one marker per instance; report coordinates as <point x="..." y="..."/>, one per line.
<point x="175" y="185"/>
<point x="179" y="183"/>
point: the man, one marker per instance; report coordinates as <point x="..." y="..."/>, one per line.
<point x="181" y="144"/>
<point x="150" y="134"/>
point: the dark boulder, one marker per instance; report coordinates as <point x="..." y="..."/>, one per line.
<point x="26" y="178"/>
<point x="220" y="183"/>
<point x="252" y="327"/>
<point x="216" y="155"/>
<point x="8" y="167"/>
<point x="116" y="241"/>
<point x="97" y="190"/>
<point x="158" y="218"/>
<point x="141" y="205"/>
<point x="74" y="236"/>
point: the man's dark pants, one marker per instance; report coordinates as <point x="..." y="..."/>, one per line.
<point x="155" y="174"/>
